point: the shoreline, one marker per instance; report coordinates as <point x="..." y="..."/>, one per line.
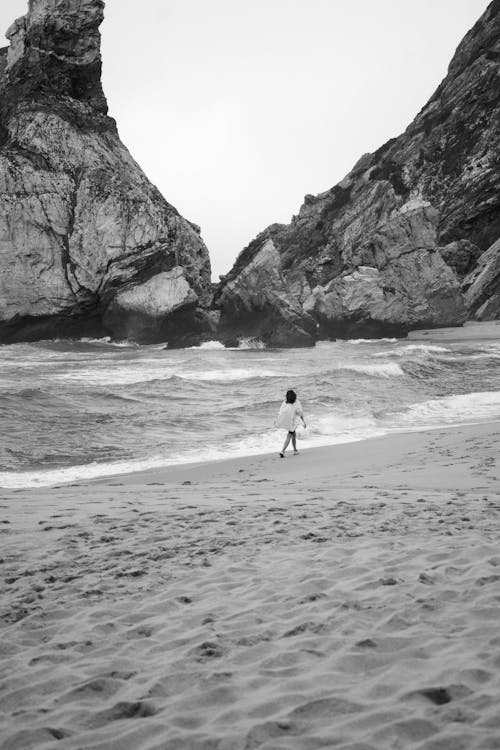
<point x="342" y="465"/>
<point x="344" y="451"/>
<point x="188" y="466"/>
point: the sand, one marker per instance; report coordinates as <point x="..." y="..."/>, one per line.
<point x="348" y="597"/>
<point x="472" y="330"/>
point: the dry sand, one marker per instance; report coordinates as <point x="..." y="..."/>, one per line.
<point x="348" y="597"/>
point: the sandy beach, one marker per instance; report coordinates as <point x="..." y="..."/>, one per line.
<point x="348" y="597"/>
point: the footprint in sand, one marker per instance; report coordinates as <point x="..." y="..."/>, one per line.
<point x="206" y="651"/>
<point x="122" y="710"/>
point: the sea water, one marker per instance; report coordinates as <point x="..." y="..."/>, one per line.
<point x="72" y="410"/>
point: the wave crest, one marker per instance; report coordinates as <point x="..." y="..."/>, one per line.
<point x="461" y="409"/>
<point x="251" y="343"/>
<point x="382" y="370"/>
<point x="209" y="346"/>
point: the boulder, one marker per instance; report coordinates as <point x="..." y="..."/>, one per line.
<point x="461" y="255"/>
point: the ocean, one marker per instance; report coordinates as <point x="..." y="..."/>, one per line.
<point x="74" y="410"/>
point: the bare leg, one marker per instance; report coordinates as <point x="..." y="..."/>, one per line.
<point x="285" y="444"/>
<point x="294" y="442"/>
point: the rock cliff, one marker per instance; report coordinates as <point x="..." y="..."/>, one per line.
<point x="87" y="244"/>
<point x="389" y="248"/>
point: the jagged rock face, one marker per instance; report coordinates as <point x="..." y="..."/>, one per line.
<point x="55" y="52"/>
<point x="482" y="285"/>
<point x="385" y="250"/>
<point x="87" y="243"/>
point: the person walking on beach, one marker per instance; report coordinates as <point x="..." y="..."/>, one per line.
<point x="289" y="417"/>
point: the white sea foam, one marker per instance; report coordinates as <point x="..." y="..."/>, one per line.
<point x="471" y="357"/>
<point x="133" y="374"/>
<point x="371" y="341"/>
<point x="326" y="344"/>
<point x="86" y="340"/>
<point x="460" y="409"/>
<point x="117" y="375"/>
<point x="413" y="348"/>
<point x="419" y="348"/>
<point x="403" y="351"/>
<point x="67" y="474"/>
<point x="382" y="370"/>
<point x="28" y="364"/>
<point x="209" y="345"/>
<point x="332" y="425"/>
<point x="228" y="375"/>
<point x="251" y="344"/>
<point x="103" y="341"/>
<point x="116" y="344"/>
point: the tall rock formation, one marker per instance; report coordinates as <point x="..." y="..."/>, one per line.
<point x="87" y="244"/>
<point x="386" y="250"/>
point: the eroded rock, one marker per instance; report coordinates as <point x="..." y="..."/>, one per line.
<point x="83" y="233"/>
<point x="385" y="250"/>
<point x="482" y="285"/>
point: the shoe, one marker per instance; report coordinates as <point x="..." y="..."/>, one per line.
<point x="295" y="453"/>
<point x="282" y="455"/>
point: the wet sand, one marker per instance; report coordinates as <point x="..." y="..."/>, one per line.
<point x="348" y="597"/>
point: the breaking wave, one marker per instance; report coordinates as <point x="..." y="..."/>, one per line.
<point x="385" y="370"/>
<point x="463" y="408"/>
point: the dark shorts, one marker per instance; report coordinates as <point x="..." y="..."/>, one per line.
<point x="291" y="432"/>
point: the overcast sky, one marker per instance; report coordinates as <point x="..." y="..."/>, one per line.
<point x="236" y="109"/>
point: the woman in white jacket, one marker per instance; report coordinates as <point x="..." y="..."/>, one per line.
<point x="289" y="417"/>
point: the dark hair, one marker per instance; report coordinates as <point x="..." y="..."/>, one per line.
<point x="291" y="397"/>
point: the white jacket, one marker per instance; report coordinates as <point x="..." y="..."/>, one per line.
<point x="289" y="416"/>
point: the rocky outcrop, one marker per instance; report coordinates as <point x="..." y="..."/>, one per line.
<point x="387" y="249"/>
<point x="482" y="286"/>
<point x="87" y="244"/>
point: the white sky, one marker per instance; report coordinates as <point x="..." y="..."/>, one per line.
<point x="236" y="109"/>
